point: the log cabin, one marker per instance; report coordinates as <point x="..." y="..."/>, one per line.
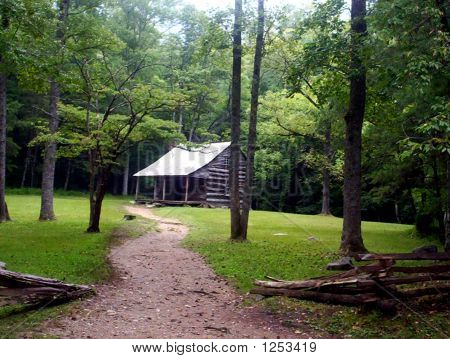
<point x="195" y="176"/>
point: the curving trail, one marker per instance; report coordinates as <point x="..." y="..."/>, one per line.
<point x="165" y="291"/>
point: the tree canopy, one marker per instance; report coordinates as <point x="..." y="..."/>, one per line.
<point x="136" y="77"/>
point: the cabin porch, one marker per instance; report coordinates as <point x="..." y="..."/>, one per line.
<point x="176" y="190"/>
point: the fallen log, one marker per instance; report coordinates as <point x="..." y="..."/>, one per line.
<point x="363" y="282"/>
<point x="20" y="280"/>
<point x="35" y="291"/>
<point x="420" y="292"/>
<point x="403" y="256"/>
<point x="438" y="268"/>
<point x="332" y="298"/>
<point x="414" y="279"/>
<point x="381" y="284"/>
<point x="307" y="284"/>
<point x="32" y="290"/>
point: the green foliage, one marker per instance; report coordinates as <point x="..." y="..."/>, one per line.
<point x="408" y="75"/>
<point x="199" y="60"/>
<point x="127" y="79"/>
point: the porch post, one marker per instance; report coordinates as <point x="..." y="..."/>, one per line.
<point x="164" y="187"/>
<point x="155" y="186"/>
<point x="187" y="188"/>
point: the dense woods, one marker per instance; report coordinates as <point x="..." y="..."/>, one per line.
<point x="92" y="91"/>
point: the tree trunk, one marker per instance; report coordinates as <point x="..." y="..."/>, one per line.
<point x="193" y="129"/>
<point x="326" y="193"/>
<point x="33" y="165"/>
<point x="447" y="230"/>
<point x="138" y="165"/>
<point x="28" y="159"/>
<point x="4" y="215"/>
<point x="235" y="204"/>
<point x="146" y="163"/>
<point x="92" y="175"/>
<point x="251" y="145"/>
<point x="437" y="211"/>
<point x="326" y="173"/>
<point x="116" y="184"/>
<point x="443" y="8"/>
<point x="48" y="167"/>
<point x="96" y="200"/>
<point x="180" y="120"/>
<point x="68" y="172"/>
<point x="352" y="241"/>
<point x="126" y="172"/>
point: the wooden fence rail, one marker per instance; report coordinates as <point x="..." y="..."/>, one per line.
<point x="380" y="283"/>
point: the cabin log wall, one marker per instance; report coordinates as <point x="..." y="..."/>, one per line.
<point x="217" y="183"/>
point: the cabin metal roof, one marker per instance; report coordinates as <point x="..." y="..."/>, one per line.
<point x="183" y="161"/>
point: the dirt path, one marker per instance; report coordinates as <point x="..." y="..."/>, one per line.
<point x="165" y="291"/>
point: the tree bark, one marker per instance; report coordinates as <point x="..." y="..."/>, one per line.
<point x="91" y="186"/>
<point x="352" y="241"/>
<point x="447" y="230"/>
<point x="235" y="204"/>
<point x="28" y="159"/>
<point x="326" y="173"/>
<point x="126" y="172"/>
<point x="96" y="200"/>
<point x="4" y="215"/>
<point x="251" y="144"/>
<point x="33" y="166"/>
<point x="48" y="167"/>
<point x="138" y="165"/>
<point x="443" y="8"/>
<point x="437" y="211"/>
<point x="180" y="120"/>
<point x="94" y="222"/>
<point x="68" y="173"/>
<point x="33" y="291"/>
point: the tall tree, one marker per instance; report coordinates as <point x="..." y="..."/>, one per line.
<point x="126" y="172"/>
<point x="48" y="168"/>
<point x="412" y="89"/>
<point x="235" y="198"/>
<point x="251" y="144"/>
<point x="352" y="241"/>
<point x="317" y="64"/>
<point x="447" y="233"/>
<point x="326" y="210"/>
<point x="4" y="215"/>
<point x="20" y="25"/>
<point x="444" y="9"/>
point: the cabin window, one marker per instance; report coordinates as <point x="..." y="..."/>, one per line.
<point x="227" y="161"/>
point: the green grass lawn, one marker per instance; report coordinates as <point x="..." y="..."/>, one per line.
<point x="62" y="249"/>
<point x="308" y="243"/>
<point x="58" y="249"/>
